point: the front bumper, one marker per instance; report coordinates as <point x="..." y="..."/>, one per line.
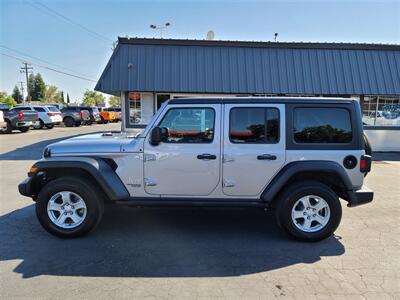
<point x="360" y="197"/>
<point x="25" y="187"/>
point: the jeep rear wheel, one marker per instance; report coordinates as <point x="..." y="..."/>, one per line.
<point x="309" y="211"/>
<point x="69" y="207"/>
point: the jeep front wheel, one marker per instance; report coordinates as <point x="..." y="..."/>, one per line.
<point x="69" y="207"/>
<point x="309" y="211"/>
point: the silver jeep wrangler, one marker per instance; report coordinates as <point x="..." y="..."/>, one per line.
<point x="297" y="156"/>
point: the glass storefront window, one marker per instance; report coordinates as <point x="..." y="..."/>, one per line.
<point x="381" y="111"/>
<point x="135" y="111"/>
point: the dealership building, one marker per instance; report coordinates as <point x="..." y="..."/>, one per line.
<point x="147" y="72"/>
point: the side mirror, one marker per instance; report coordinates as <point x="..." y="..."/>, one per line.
<point x="158" y="134"/>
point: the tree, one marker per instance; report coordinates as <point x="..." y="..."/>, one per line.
<point x="4" y="98"/>
<point x="17" y="95"/>
<point x="92" y="98"/>
<point x="68" y="98"/>
<point x="52" y="95"/>
<point x="31" y="86"/>
<point x="39" y="88"/>
<point x="36" y="87"/>
<point x="62" y="97"/>
<point x="114" y="101"/>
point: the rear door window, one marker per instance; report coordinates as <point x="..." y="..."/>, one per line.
<point x="322" y="125"/>
<point x="254" y="125"/>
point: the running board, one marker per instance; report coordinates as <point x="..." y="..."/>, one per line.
<point x="157" y="202"/>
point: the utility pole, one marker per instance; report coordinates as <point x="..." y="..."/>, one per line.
<point x="25" y="69"/>
<point x="22" y="89"/>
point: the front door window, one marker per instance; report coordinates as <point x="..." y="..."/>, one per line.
<point x="189" y="125"/>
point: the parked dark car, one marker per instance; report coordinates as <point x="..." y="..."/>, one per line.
<point x="93" y="114"/>
<point x="19" y="119"/>
<point x="74" y="115"/>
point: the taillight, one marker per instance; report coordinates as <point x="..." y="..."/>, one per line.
<point x="81" y="114"/>
<point x="365" y="164"/>
<point x="20" y="115"/>
<point x="51" y="114"/>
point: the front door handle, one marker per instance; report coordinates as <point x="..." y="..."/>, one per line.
<point x="266" y="157"/>
<point x="206" y="156"/>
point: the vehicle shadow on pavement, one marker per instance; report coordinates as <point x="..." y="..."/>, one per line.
<point x="167" y="242"/>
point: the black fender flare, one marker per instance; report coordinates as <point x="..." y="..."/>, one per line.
<point x="98" y="168"/>
<point x="294" y="168"/>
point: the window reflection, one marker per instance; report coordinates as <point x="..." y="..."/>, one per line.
<point x="134" y="108"/>
<point x="381" y="111"/>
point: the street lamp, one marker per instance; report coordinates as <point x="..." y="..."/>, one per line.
<point x="160" y="28"/>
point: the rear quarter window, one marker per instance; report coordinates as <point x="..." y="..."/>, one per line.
<point x="53" y="108"/>
<point x="322" y="125"/>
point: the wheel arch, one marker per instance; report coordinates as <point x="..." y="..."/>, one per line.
<point x="100" y="171"/>
<point x="326" y="172"/>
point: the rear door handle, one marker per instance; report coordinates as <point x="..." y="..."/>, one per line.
<point x="266" y="157"/>
<point x="206" y="156"/>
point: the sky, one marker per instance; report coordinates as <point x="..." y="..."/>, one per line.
<point x="76" y="36"/>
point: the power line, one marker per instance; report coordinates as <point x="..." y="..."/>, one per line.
<point x="44" y="8"/>
<point x="42" y="60"/>
<point x="48" y="68"/>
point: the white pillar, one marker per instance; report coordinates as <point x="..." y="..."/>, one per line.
<point x="147" y="107"/>
<point x="123" y="112"/>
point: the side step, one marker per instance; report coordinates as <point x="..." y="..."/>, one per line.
<point x="184" y="202"/>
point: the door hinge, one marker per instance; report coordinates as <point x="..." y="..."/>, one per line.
<point x="149" y="157"/>
<point x="229" y="182"/>
<point x="150" y="182"/>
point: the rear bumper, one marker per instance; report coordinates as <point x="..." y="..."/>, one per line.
<point x="360" y="197"/>
<point x="25" y="123"/>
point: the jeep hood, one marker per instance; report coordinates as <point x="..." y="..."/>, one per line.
<point x="94" y="143"/>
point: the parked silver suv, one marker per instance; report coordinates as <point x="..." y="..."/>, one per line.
<point x="295" y="155"/>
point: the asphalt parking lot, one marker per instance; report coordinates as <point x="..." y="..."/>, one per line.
<point x="193" y="253"/>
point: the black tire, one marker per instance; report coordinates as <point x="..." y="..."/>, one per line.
<point x="298" y="190"/>
<point x="89" y="123"/>
<point x="23" y="129"/>
<point x="9" y="128"/>
<point x="49" y="126"/>
<point x="40" y="126"/>
<point x="69" y="122"/>
<point x="77" y="124"/>
<point x="86" y="190"/>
